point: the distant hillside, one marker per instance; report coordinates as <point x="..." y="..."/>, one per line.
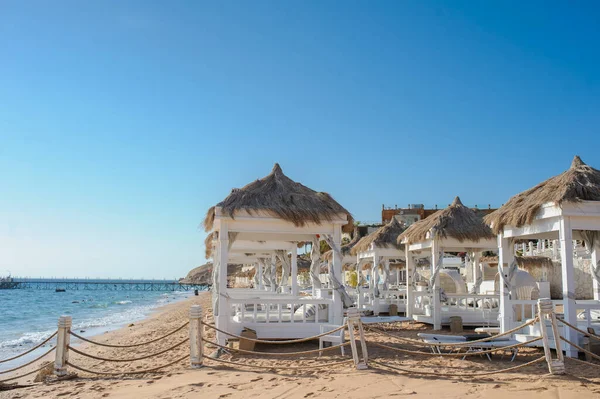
<point x="203" y="274"/>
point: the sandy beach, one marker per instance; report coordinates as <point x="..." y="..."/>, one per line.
<point x="218" y="381"/>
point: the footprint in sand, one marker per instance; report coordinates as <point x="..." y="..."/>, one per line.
<point x="308" y="395"/>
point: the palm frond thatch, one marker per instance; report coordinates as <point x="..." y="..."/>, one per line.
<point x="457" y="221"/>
<point x="208" y="245"/>
<point x="282" y="197"/>
<point x="579" y="183"/>
<point x="384" y="237"/>
<point x="522" y="261"/>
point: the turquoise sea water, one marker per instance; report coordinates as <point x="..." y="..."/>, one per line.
<point x="29" y="316"/>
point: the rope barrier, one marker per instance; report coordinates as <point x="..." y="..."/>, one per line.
<point x="279" y="354"/>
<point x="462" y="343"/>
<point x="128" y="360"/>
<point x="463" y="354"/>
<point x="128" y="346"/>
<point x="25" y="375"/>
<point x="312" y="366"/>
<point x="260" y="341"/>
<point x="583" y="362"/>
<point x="30" y="350"/>
<point x="587" y="334"/>
<point x="27" y="364"/>
<point x="128" y="372"/>
<point x="541" y="359"/>
<point x="580" y="348"/>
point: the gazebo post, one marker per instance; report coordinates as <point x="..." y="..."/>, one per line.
<point x="294" y="259"/>
<point x="409" y="282"/>
<point x="437" y="305"/>
<point x="374" y="282"/>
<point x="476" y="268"/>
<point x="596" y="284"/>
<point x="337" y="273"/>
<point x="568" y="282"/>
<point x="223" y="316"/>
<point x="260" y="274"/>
<point x="273" y="272"/>
<point x="506" y="255"/>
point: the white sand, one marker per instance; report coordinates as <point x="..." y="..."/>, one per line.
<point x="214" y="381"/>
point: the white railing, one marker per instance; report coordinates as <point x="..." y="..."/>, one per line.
<point x="396" y="297"/>
<point x="280" y="310"/>
<point x="472" y="302"/>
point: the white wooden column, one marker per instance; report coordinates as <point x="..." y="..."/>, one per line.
<point x="436" y="303"/>
<point x="273" y="272"/>
<point x="594" y="260"/>
<point x="410" y="298"/>
<point x="294" y="260"/>
<point x="336" y="266"/>
<point x="359" y="293"/>
<point x="506" y="256"/>
<point x="261" y="285"/>
<point x="222" y="320"/>
<point x="568" y="282"/>
<point x="374" y="282"/>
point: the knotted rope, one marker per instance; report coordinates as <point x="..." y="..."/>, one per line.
<point x="541" y="359"/>
<point x="28" y="363"/>
<point x="30" y="350"/>
<point x="260" y="341"/>
<point x="278" y="353"/>
<point x="131" y="345"/>
<point x="129" y="372"/>
<point x="128" y="360"/>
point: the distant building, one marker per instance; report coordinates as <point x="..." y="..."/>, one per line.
<point x="416" y="212"/>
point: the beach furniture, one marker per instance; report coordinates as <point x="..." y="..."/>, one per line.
<point x="336" y="338"/>
<point x="559" y="210"/>
<point x="376" y="255"/>
<point x="454" y="229"/>
<point x="262" y="224"/>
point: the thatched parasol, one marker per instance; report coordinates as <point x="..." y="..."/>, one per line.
<point x="457" y="221"/>
<point x="384" y="237"/>
<point x="282" y="197"/>
<point x="522" y="261"/>
<point x="579" y="183"/>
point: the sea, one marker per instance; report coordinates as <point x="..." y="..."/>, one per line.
<point x="28" y="316"/>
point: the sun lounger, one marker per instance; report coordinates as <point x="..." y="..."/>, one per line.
<point x="437" y="342"/>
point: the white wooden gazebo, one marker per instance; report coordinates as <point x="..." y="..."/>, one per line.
<point x="380" y="247"/>
<point x="454" y="229"/>
<point x="565" y="207"/>
<point x="255" y="224"/>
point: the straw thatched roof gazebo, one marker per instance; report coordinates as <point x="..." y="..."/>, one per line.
<point x="261" y="223"/>
<point x="564" y="207"/>
<point x="456" y="228"/>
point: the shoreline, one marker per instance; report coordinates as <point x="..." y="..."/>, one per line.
<point x="179" y="381"/>
<point x="98" y="334"/>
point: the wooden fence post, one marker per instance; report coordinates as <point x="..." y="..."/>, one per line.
<point x="196" y="344"/>
<point x="354" y="319"/>
<point x="546" y="311"/>
<point x="63" y="340"/>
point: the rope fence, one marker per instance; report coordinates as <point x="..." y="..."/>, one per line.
<point x="353" y="327"/>
<point x="30" y="350"/>
<point x="130" y="345"/>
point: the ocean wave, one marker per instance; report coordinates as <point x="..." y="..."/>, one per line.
<point x="29" y="339"/>
<point x="122" y="302"/>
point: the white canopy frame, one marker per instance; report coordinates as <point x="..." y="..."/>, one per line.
<point x="435" y="245"/>
<point x="552" y="221"/>
<point x="378" y="256"/>
<point x="260" y="232"/>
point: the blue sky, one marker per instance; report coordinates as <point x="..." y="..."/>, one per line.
<point x="121" y="122"/>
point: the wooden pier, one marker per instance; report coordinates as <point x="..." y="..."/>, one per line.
<point x="115" y="285"/>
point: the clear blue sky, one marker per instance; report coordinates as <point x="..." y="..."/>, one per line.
<point x="121" y="122"/>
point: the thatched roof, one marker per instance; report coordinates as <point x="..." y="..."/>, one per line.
<point x="579" y="183"/>
<point x="522" y="261"/>
<point x="384" y="237"/>
<point x="457" y="221"/>
<point x="282" y="197"/>
<point x="345" y="248"/>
